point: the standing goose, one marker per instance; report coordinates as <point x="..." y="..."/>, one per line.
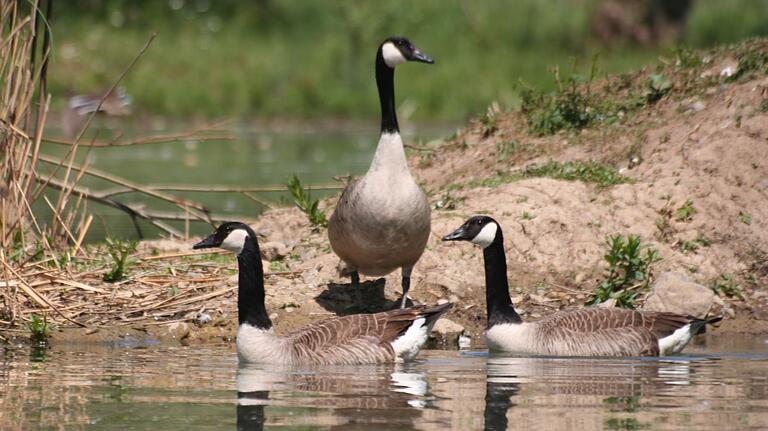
<point x="586" y="332"/>
<point x="382" y="221"/>
<point x="391" y="336"/>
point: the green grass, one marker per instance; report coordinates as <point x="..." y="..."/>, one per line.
<point x="715" y="21"/>
<point x="314" y="59"/>
<point x="588" y="172"/>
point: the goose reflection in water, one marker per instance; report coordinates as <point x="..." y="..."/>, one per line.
<point x="565" y="383"/>
<point x="368" y="400"/>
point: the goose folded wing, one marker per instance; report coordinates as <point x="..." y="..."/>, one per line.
<point x="624" y="341"/>
<point x="659" y="324"/>
<point x="359" y="338"/>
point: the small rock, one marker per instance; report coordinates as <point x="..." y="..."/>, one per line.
<point x="609" y="303"/>
<point x="311" y="277"/>
<point x="675" y="293"/>
<point x="203" y="318"/>
<point x="465" y="342"/>
<point x="447" y="332"/>
<point x="178" y="330"/>
<point x="274" y="250"/>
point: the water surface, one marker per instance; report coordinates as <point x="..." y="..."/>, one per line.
<point x="720" y="384"/>
<point x="257" y="157"/>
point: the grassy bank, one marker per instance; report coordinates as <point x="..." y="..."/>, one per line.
<point x="315" y="59"/>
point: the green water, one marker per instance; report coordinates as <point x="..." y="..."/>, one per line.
<point x="255" y="158"/>
<point x="719" y="384"/>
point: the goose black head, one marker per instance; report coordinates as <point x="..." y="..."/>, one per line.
<point x="229" y="236"/>
<point x="480" y="230"/>
<point x="396" y="50"/>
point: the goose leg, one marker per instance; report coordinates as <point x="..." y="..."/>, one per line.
<point x="406" y="285"/>
<point x="355" y="276"/>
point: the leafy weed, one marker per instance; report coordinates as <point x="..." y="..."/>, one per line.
<point x="628" y="270"/>
<point x="303" y="200"/>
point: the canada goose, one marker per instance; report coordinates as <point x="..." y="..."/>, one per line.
<point x="586" y="332"/>
<point x="390" y="336"/>
<point x="382" y="220"/>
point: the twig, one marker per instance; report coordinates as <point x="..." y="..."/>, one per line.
<point x="194" y="253"/>
<point x="159" y="139"/>
<point x="180" y="202"/>
<point x="130" y="210"/>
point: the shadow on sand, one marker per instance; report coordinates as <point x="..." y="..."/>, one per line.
<point x="344" y="299"/>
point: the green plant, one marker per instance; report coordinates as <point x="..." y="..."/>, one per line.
<point x="120" y="251"/>
<point x="658" y="85"/>
<point x="504" y="149"/>
<point x="278" y="266"/>
<point x="750" y="62"/>
<point x="527" y="216"/>
<point x="628" y="270"/>
<point x="745" y="218"/>
<point x="448" y="202"/>
<point x="567" y="108"/>
<point x="686" y="246"/>
<point x="624" y="424"/>
<point x="629" y="404"/>
<point x="490" y="120"/>
<point x="703" y="240"/>
<point x="726" y="286"/>
<point x="686" y="211"/>
<point x="686" y="58"/>
<point x="39" y="327"/>
<point x="764" y="106"/>
<point x="303" y="200"/>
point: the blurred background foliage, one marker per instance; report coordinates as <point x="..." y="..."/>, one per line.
<point x="314" y="58"/>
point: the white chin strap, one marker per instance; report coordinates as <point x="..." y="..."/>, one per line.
<point x="392" y="55"/>
<point x="486" y="236"/>
<point x="235" y="241"/>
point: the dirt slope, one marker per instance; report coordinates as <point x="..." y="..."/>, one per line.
<point x="705" y="141"/>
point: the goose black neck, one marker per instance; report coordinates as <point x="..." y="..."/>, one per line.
<point x="250" y="295"/>
<point x="498" y="302"/>
<point x="385" y="81"/>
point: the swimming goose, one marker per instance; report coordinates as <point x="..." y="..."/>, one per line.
<point x="391" y="336"/>
<point x="586" y="332"/>
<point x="382" y="221"/>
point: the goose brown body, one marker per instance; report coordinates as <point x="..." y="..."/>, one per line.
<point x="359" y="338"/>
<point x="589" y="332"/>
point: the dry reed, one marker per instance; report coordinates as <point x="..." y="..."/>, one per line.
<point x="44" y="267"/>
